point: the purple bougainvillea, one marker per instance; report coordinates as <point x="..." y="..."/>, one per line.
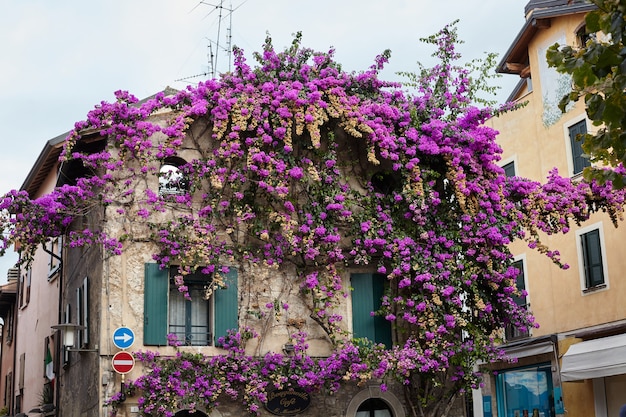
<point x="299" y="163"/>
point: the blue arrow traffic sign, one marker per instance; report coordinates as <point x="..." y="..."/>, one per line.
<point x="123" y="337"/>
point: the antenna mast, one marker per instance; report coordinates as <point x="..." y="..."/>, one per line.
<point x="212" y="56"/>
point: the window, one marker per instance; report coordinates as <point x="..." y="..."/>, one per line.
<point x="8" y="390"/>
<point x="189" y="318"/>
<point x="592" y="259"/>
<point x="577" y="132"/>
<point x="509" y="169"/>
<point x="367" y="292"/>
<point x="67" y="314"/>
<point x="54" y="249"/>
<point x="385" y="182"/>
<point x="8" y="325"/>
<point x="72" y="170"/>
<point x="199" y="321"/>
<point x="582" y="36"/>
<point x="172" y="179"/>
<point x="25" y="280"/>
<point x="512" y="332"/>
<point x="82" y="314"/>
<point x="525" y="392"/>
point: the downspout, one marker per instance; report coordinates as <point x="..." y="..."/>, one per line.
<point x="58" y="343"/>
<point x="15" y="315"/>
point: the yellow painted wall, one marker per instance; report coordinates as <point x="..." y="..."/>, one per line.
<point x="556" y="296"/>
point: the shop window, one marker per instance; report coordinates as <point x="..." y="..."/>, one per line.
<point x="367" y="292"/>
<point x="525" y="392"/>
<point x="199" y="320"/>
<point x="172" y="179"/>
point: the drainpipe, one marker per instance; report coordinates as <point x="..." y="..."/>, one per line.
<point x="15" y="315"/>
<point x="58" y="343"/>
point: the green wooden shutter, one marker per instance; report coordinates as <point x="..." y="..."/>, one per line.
<point x="367" y="292"/>
<point x="592" y="250"/>
<point x="156" y="288"/>
<point x="580" y="162"/>
<point x="226" y="306"/>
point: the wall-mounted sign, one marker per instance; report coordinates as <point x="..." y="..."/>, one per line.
<point x="123" y="337"/>
<point x="287" y="402"/>
<point x="123" y="362"/>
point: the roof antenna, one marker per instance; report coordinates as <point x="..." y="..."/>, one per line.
<point x="218" y="43"/>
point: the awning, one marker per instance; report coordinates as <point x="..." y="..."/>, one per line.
<point x="596" y="358"/>
<point x="523" y="351"/>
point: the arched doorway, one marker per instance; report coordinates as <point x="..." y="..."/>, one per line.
<point x="187" y="413"/>
<point x="372" y="402"/>
<point x="374" y="407"/>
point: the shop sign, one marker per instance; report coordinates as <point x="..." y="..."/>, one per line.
<point x="287" y="402"/>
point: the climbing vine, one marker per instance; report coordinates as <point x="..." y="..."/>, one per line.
<point x="294" y="163"/>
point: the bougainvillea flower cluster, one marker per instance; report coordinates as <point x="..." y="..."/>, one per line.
<point x="299" y="164"/>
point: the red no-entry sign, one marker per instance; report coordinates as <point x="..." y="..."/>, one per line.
<point x="123" y="362"/>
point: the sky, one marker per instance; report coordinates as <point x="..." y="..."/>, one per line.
<point x="58" y="59"/>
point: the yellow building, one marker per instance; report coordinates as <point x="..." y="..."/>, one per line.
<point x="574" y="364"/>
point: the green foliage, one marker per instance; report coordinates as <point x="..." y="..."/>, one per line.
<point x="598" y="71"/>
<point x="479" y="71"/>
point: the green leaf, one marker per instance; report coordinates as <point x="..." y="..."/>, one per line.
<point x="584" y="76"/>
<point x="595" y="106"/>
<point x="617" y="25"/>
<point x="592" y="21"/>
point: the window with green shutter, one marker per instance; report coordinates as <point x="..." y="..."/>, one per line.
<point x="592" y="258"/>
<point x="576" y="135"/>
<point x="367" y="292"/>
<point x="199" y="320"/>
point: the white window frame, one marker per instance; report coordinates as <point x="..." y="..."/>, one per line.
<point x="581" y="262"/>
<point x="210" y="302"/>
<point x="568" y="144"/>
<point x="506" y="161"/>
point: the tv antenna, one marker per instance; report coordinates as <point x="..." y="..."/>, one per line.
<point x="222" y="43"/>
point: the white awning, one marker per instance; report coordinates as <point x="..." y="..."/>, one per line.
<point x="596" y="358"/>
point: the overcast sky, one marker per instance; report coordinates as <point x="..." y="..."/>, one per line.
<point x="58" y="59"/>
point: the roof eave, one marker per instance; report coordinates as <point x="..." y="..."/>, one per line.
<point x="45" y="161"/>
<point x="515" y="59"/>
